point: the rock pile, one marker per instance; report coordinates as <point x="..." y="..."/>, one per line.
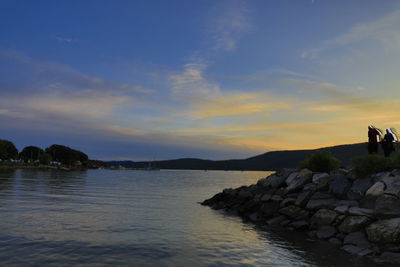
<point x="361" y="215"/>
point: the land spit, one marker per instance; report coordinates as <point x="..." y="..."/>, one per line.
<point x="361" y="215"/>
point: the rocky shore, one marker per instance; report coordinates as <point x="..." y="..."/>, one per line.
<point x="359" y="215"/>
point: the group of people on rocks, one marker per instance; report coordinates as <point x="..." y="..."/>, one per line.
<point x="375" y="136"/>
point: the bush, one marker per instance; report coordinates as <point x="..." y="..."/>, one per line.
<point x="374" y="163"/>
<point x="321" y="161"/>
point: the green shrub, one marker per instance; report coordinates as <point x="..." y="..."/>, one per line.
<point x="320" y="161"/>
<point x="374" y="163"/>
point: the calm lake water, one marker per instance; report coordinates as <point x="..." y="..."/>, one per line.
<point x="141" y="218"/>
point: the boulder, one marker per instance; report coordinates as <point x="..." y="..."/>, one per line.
<point x="287" y="202"/>
<point x="342" y="209"/>
<point x="357" y="239"/>
<point x="387" y="206"/>
<point x="360" y="211"/>
<point x="350" y="203"/>
<point x="265" y="197"/>
<point x="245" y="194"/>
<point x="321" y="195"/>
<point x="298" y="183"/>
<point x="359" y="187"/>
<point x="274" y="181"/>
<point x="276" y="220"/>
<point x="320" y="177"/>
<point x="303" y="197"/>
<point x="276" y="198"/>
<point x="298" y="225"/>
<point x="316" y="204"/>
<point x="325" y="232"/>
<point x="323" y="217"/>
<point x="392" y="185"/>
<point x="384" y="231"/>
<point x="309" y="187"/>
<point x="294" y="212"/>
<point x="335" y="241"/>
<point x="357" y="250"/>
<point x="375" y="190"/>
<point x="389" y="257"/>
<point x="267" y="210"/>
<point x="339" y="186"/>
<point x="353" y="224"/>
<point x="290" y="178"/>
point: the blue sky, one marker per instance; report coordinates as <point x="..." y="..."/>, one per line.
<point x="210" y="79"/>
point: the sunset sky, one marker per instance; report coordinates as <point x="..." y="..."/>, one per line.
<point x="210" y="79"/>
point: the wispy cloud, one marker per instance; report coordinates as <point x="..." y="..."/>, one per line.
<point x="66" y="39"/>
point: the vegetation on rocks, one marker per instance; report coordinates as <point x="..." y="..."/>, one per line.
<point x="320" y="161"/>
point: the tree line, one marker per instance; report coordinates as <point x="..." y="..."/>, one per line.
<point x="56" y="154"/>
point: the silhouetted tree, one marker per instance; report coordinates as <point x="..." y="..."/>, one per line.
<point x="8" y="150"/>
<point x="30" y="153"/>
<point x="67" y="155"/>
<point x="45" y="158"/>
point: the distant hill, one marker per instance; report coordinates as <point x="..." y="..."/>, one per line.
<point x="273" y="160"/>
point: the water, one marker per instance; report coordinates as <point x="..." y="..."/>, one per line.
<point x="141" y="218"/>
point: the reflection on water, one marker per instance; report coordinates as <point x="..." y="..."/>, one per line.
<point x="140" y="218"/>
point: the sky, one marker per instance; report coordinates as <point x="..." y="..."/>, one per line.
<point x="214" y="79"/>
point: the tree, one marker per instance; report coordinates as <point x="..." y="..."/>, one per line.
<point x="31" y="153"/>
<point x="67" y="155"/>
<point x="45" y="158"/>
<point x="8" y="150"/>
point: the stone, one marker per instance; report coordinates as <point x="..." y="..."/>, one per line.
<point x="276" y="198"/>
<point x="309" y="187"/>
<point x="298" y="183"/>
<point x="335" y="241"/>
<point x="350" y="203"/>
<point x="298" y="225"/>
<point x="280" y="192"/>
<point x="245" y="194"/>
<point x="342" y="209"/>
<point x="387" y="206"/>
<point x="254" y="217"/>
<point x="290" y="178"/>
<point x="294" y="212"/>
<point x="303" y="197"/>
<point x="358" y="239"/>
<point x="359" y="187"/>
<point x="285" y="222"/>
<point x="389" y="257"/>
<point x="318" y="177"/>
<point x="304" y="172"/>
<point x="339" y="219"/>
<point x="323" y="217"/>
<point x="263" y="182"/>
<point x="287" y="202"/>
<point x="375" y="190"/>
<point x="360" y="211"/>
<point x="321" y="204"/>
<point x="392" y="185"/>
<point x="265" y="197"/>
<point x="353" y="224"/>
<point x="267" y="210"/>
<point x="276" y="220"/>
<point x="352" y="249"/>
<point x="275" y="181"/>
<point x="384" y="231"/>
<point x="339" y="186"/>
<point x="321" y="195"/>
<point x="326" y="231"/>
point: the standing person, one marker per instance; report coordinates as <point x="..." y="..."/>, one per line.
<point x="387" y="143"/>
<point x="374" y="136"/>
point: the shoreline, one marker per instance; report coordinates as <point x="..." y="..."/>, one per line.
<point x="359" y="215"/>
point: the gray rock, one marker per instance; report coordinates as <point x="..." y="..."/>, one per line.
<point x="360" y="211"/>
<point x="389" y="257"/>
<point x="392" y="185"/>
<point x="339" y="186"/>
<point x="326" y="231"/>
<point x="245" y="194"/>
<point x="323" y="217"/>
<point x="265" y="197"/>
<point x="254" y="217"/>
<point x="321" y="204"/>
<point x="299" y="224"/>
<point x="285" y="222"/>
<point x="276" y="198"/>
<point x="339" y="219"/>
<point x="320" y="177"/>
<point x="280" y="192"/>
<point x="359" y="187"/>
<point x="298" y="183"/>
<point x="304" y="172"/>
<point x="310" y="187"/>
<point x="275" y="181"/>
<point x="375" y="190"/>
<point x="387" y="206"/>
<point x="263" y="182"/>
<point x="335" y="241"/>
<point x="294" y="212"/>
<point x="321" y="195"/>
<point x="352" y="249"/>
<point x="290" y="178"/>
<point x="267" y="210"/>
<point x="358" y="239"/>
<point x="384" y="231"/>
<point x="303" y="197"/>
<point x="350" y="203"/>
<point x="353" y="223"/>
<point x="342" y="209"/>
<point x="287" y="202"/>
<point x="276" y="220"/>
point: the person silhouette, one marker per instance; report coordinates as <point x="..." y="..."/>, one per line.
<point x="374" y="135"/>
<point x="388" y="143"/>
